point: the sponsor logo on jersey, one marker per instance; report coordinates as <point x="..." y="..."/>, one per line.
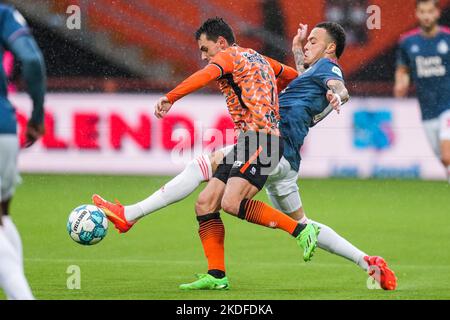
<point x="430" y="67"/>
<point x="254" y="57"/>
<point x="237" y="164"/>
<point x="337" y="71"/>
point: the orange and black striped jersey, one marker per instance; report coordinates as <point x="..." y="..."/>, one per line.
<point x="248" y="81"/>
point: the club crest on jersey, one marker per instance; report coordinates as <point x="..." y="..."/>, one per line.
<point x="442" y="47"/>
<point x="415" y="48"/>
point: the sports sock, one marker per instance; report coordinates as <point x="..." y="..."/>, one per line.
<point x="448" y="174"/>
<point x="258" y="212"/>
<point x="12" y="279"/>
<point x="212" y="235"/>
<point x="197" y="171"/>
<point x="13" y="236"/>
<point x="332" y="242"/>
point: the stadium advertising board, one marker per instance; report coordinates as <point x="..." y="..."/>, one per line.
<point x="118" y="134"/>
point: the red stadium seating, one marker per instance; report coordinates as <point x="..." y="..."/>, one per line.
<point x="164" y="29"/>
<point x="395" y="21"/>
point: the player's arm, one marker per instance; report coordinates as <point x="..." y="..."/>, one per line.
<point x="220" y="65"/>
<point x="402" y="81"/>
<point x="195" y="82"/>
<point x="28" y="53"/>
<point x="402" y="75"/>
<point x="337" y="94"/>
<point x="297" y="47"/>
<point x="15" y="37"/>
<point x="283" y="73"/>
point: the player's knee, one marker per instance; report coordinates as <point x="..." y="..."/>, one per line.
<point x="230" y="205"/>
<point x="204" y="204"/>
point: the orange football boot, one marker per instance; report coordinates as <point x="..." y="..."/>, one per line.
<point x="115" y="213"/>
<point x="387" y="278"/>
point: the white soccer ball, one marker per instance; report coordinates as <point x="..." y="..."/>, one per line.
<point x="87" y="224"/>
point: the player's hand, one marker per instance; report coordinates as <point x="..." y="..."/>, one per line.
<point x="301" y="35"/>
<point x="334" y="100"/>
<point x="162" y="107"/>
<point x="33" y="133"/>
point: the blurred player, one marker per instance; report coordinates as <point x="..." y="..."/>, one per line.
<point x="281" y="186"/>
<point x="424" y="54"/>
<point x="16" y="38"/>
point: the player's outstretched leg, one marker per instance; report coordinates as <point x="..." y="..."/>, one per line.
<point x="379" y="270"/>
<point x="328" y="239"/>
<point x="196" y="171"/>
<point x="182" y="185"/>
<point x="258" y="212"/>
<point x="114" y="212"/>
<point x="332" y="242"/>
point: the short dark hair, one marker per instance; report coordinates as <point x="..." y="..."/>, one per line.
<point x="337" y="33"/>
<point x="435" y="2"/>
<point x="213" y="28"/>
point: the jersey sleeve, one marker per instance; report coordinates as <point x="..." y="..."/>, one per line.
<point x="13" y="25"/>
<point x="196" y="81"/>
<point x="402" y="55"/>
<point x="283" y="73"/>
<point x="326" y="72"/>
<point x="224" y="61"/>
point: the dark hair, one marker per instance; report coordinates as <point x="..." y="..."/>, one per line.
<point x="435" y="2"/>
<point x="337" y="33"/>
<point x="213" y="28"/>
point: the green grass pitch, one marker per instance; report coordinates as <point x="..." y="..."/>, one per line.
<point x="407" y="222"/>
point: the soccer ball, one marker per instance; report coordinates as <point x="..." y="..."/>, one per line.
<point x="87" y="224"/>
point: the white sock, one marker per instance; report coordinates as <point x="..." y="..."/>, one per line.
<point x="13" y="235"/>
<point x="12" y="278"/>
<point x="197" y="171"/>
<point x="332" y="242"/>
<point x="448" y="174"/>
